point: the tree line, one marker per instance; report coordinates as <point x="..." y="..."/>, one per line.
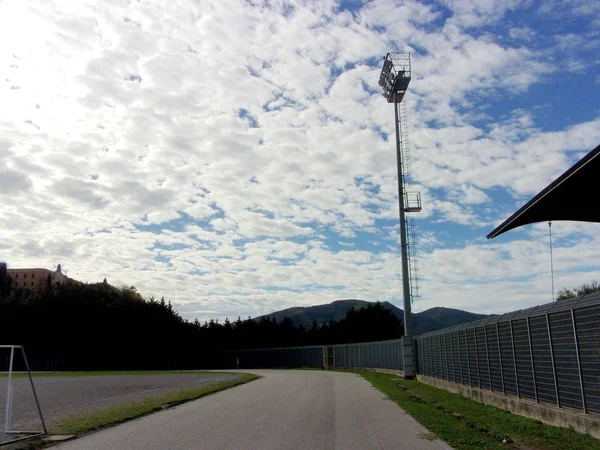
<point x="578" y="291"/>
<point x="76" y="326"/>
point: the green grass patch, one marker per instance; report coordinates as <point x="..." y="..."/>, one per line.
<point x="85" y="422"/>
<point x="468" y="425"/>
<point x="103" y="373"/>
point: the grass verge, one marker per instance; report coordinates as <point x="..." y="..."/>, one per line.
<point x="86" y="422"/>
<point x="103" y="373"/>
<point x="468" y="425"/>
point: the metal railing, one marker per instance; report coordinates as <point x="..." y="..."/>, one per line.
<point x="550" y="353"/>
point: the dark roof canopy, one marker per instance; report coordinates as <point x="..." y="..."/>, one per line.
<point x="572" y="196"/>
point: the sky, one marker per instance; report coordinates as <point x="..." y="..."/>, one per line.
<point x="237" y="157"/>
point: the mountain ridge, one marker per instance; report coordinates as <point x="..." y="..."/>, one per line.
<point x="429" y="320"/>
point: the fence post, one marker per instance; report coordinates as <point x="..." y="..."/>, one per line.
<point x="468" y="358"/>
<point x="420" y="354"/>
<point x="453" y="363"/>
<point x="477" y="358"/>
<point x="512" y="341"/>
<point x="532" y="361"/>
<point x="443" y="356"/>
<point x="462" y="378"/>
<point x="334" y="358"/>
<point x="429" y="360"/>
<point x="384" y="352"/>
<point x="439" y="354"/>
<point x="578" y="361"/>
<point x="388" y="355"/>
<point x="431" y="356"/>
<point x="553" y="362"/>
<point x="439" y="368"/>
<point x="372" y="355"/>
<point x="487" y="352"/>
<point x="348" y="360"/>
<point x="425" y="355"/>
<point x="434" y="351"/>
<point x="446" y="356"/>
<point x="500" y="355"/>
<point x="401" y="361"/>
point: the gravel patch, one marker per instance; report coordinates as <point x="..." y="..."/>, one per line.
<point x="65" y="396"/>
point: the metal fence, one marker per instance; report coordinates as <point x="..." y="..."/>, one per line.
<point x="285" y="357"/>
<point x="550" y="353"/>
<point x="380" y="355"/>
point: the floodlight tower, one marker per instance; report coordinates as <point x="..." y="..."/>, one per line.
<point x="394" y="79"/>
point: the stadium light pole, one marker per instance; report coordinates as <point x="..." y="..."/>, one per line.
<point x="394" y="79"/>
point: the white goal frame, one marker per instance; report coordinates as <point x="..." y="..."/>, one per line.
<point x="9" y="399"/>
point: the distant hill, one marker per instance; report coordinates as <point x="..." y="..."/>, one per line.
<point x="423" y="322"/>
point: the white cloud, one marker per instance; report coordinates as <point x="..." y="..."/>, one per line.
<point x="522" y="33"/>
<point x="215" y="152"/>
<point x="475" y="13"/>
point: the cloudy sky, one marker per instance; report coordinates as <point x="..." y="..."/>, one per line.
<point x="237" y="157"/>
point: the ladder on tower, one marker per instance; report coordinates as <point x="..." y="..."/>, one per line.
<point x="413" y="260"/>
<point x="412" y="200"/>
<point x="404" y="145"/>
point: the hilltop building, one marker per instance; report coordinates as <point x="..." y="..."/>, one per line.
<point x="35" y="277"/>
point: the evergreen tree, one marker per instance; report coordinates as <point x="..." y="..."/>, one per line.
<point x="5" y="281"/>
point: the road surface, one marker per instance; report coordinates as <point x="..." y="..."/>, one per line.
<point x="283" y="410"/>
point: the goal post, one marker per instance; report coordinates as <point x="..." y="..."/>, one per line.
<point x="8" y="431"/>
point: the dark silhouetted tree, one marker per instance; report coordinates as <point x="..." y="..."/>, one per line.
<point x="5" y="281"/>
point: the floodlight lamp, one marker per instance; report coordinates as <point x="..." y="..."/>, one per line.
<point x="387" y="67"/>
<point x="395" y="76"/>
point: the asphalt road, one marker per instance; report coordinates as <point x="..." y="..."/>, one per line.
<point x="63" y="396"/>
<point x="283" y="410"/>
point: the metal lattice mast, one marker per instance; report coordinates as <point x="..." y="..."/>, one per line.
<point x="394" y="79"/>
